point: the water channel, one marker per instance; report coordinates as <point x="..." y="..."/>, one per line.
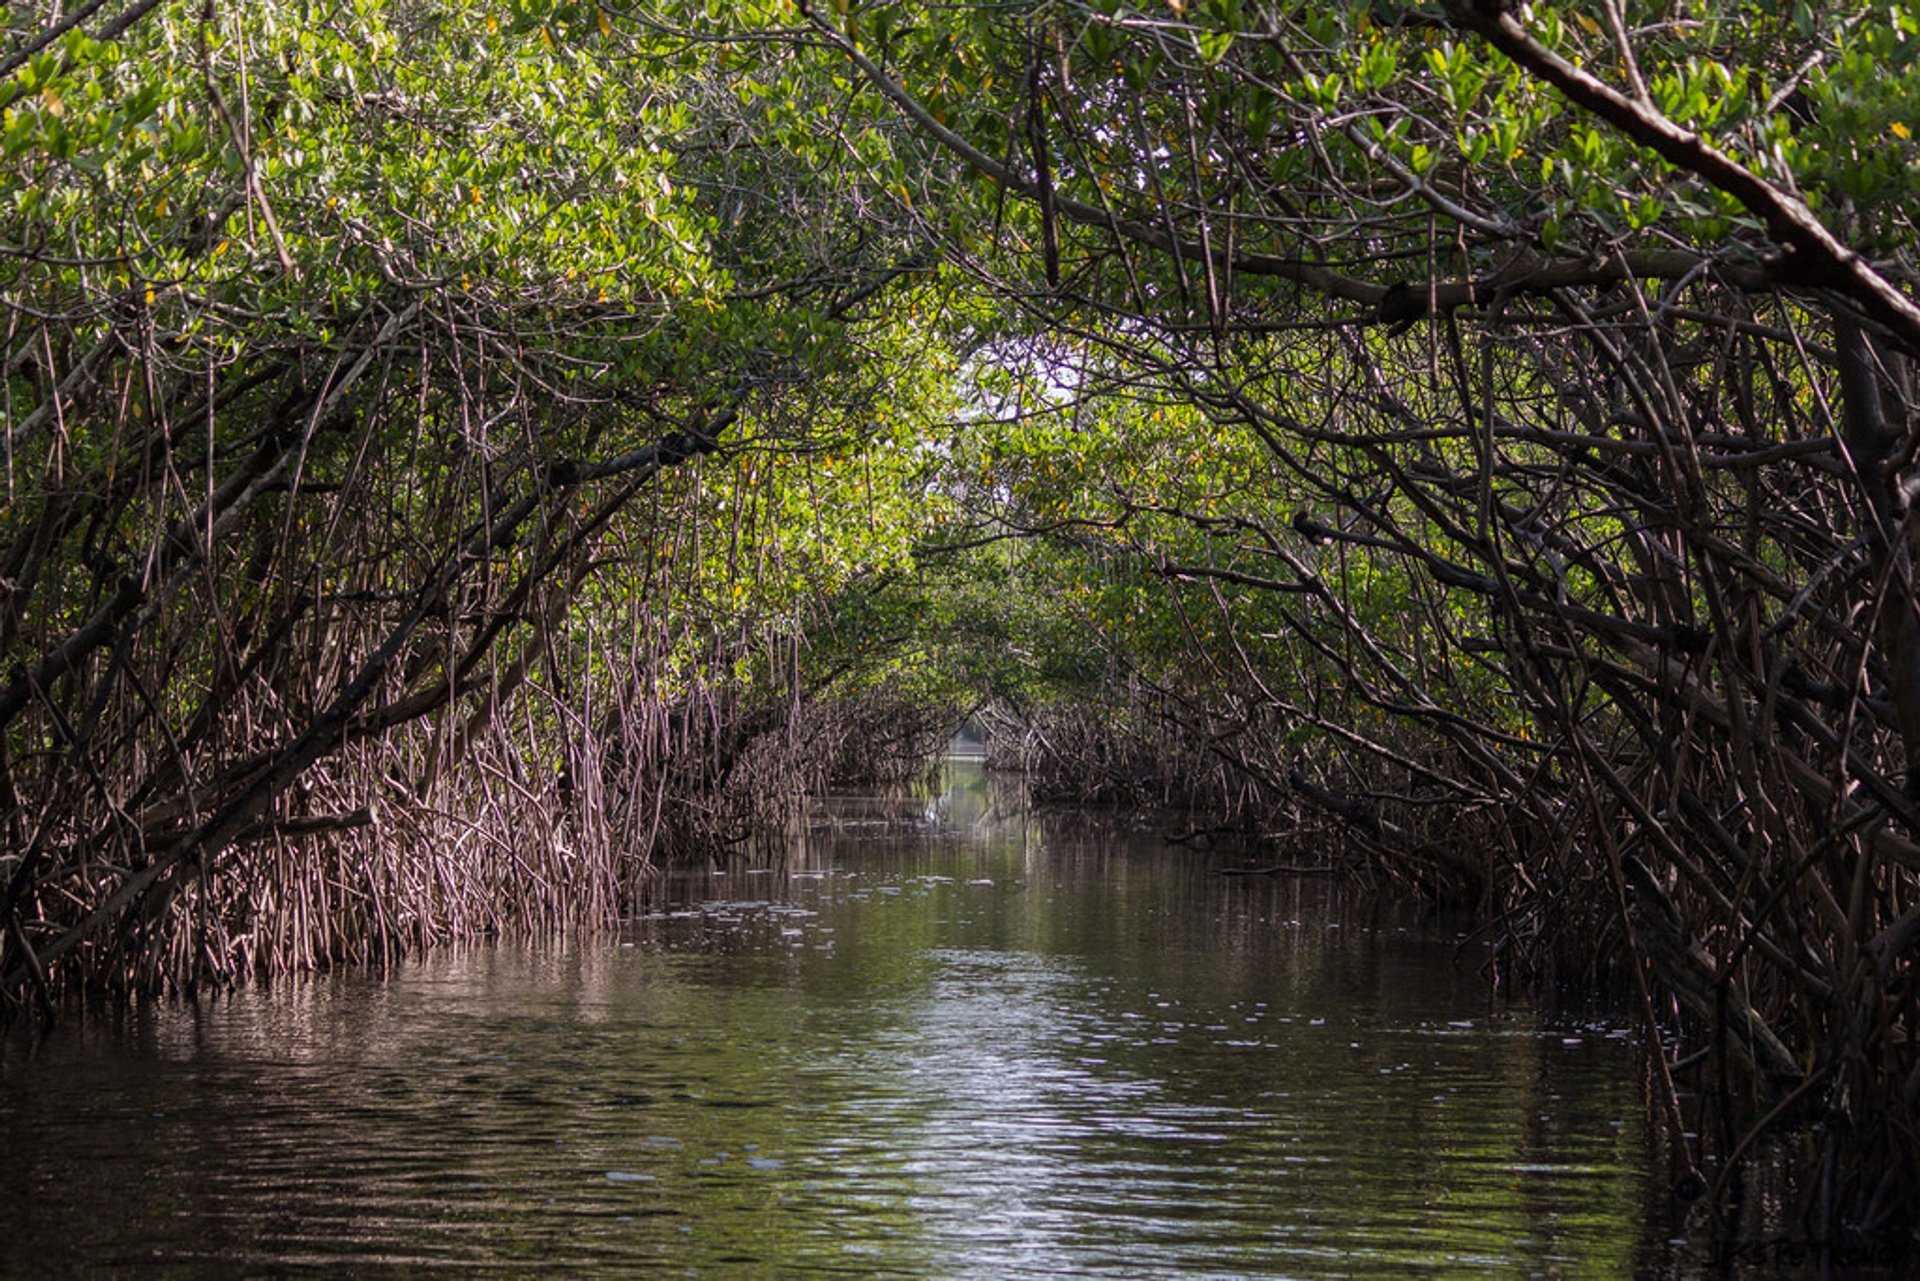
<point x="948" y="1039"/>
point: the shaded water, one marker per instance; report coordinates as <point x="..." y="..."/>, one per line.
<point x="990" y="1049"/>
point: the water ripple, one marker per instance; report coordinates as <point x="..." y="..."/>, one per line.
<point x="1012" y="1055"/>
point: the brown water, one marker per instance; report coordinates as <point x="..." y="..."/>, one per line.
<point x="983" y="1047"/>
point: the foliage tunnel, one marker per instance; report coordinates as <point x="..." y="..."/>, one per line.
<point x="460" y="457"/>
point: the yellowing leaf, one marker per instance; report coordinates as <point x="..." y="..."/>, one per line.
<point x="1587" y="24"/>
<point x="1901" y="131"/>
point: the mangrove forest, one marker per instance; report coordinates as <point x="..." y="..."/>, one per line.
<point x="467" y="462"/>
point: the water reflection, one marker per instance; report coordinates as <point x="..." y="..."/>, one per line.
<point x="948" y="1039"/>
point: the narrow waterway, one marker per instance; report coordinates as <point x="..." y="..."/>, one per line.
<point x="947" y="1040"/>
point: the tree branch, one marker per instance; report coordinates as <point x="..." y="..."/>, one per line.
<point x="1812" y="255"/>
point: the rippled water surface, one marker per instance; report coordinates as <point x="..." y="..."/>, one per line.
<point x="980" y="1048"/>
